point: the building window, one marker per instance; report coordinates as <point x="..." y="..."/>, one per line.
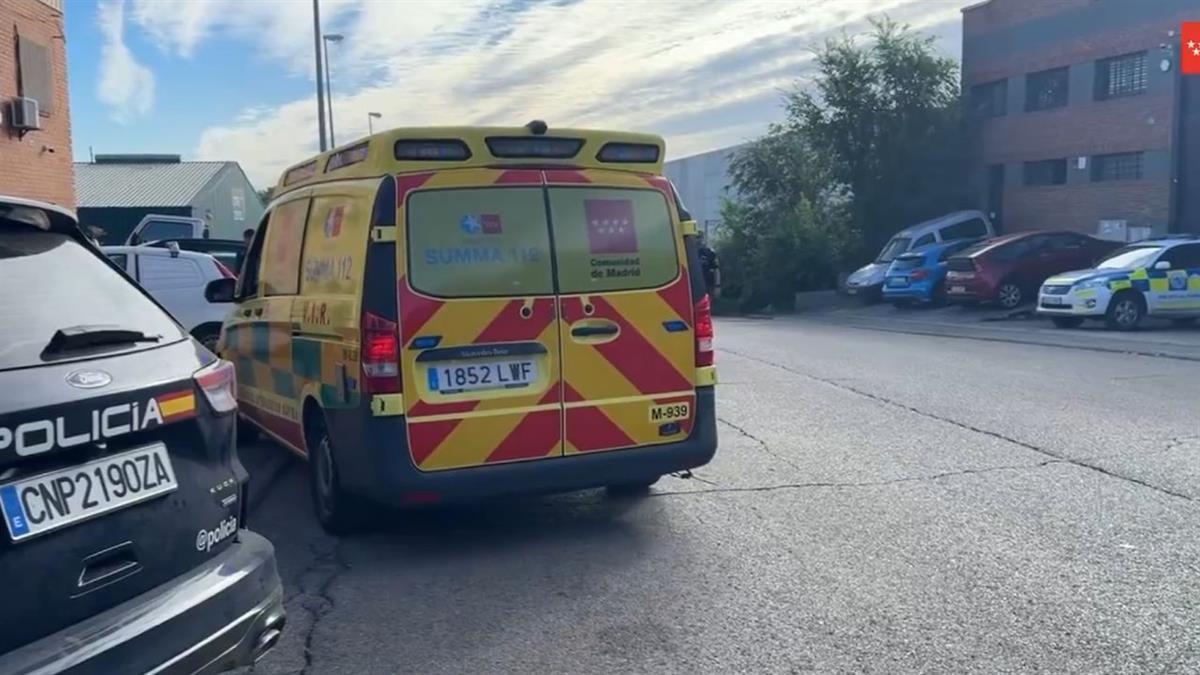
<point x="990" y="99"/>
<point x="1046" y="90"/>
<point x="1046" y="172"/>
<point x="1121" y="76"/>
<point x="1119" y="166"/>
<point x="37" y="77"/>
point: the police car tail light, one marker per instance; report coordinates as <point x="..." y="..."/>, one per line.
<point x="218" y="381"/>
<point x="704" y="332"/>
<point x="380" y="355"/>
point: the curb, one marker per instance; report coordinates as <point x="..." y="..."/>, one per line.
<point x="967" y="334"/>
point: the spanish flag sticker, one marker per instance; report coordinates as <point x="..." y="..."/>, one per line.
<point x="176" y="405"/>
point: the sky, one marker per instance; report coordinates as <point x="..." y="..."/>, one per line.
<point x="235" y="79"/>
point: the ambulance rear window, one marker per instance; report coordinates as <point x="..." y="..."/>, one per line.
<point x="479" y="242"/>
<point x="609" y="239"/>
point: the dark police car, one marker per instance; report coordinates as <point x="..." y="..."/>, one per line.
<point x="123" y="548"/>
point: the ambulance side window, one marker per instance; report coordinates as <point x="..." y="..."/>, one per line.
<point x="334" y="246"/>
<point x="284" y="241"/>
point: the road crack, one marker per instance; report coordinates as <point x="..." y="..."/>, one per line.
<point x="761" y="443"/>
<point x="1054" y="456"/>
<point x="864" y="484"/>
<point x="325" y="568"/>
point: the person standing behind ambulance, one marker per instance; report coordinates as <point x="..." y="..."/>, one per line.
<point x="710" y="266"/>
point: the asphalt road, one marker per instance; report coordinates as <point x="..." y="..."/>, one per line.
<point x="881" y="503"/>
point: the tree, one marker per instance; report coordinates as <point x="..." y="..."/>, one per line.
<point x="870" y="145"/>
<point x="887" y="116"/>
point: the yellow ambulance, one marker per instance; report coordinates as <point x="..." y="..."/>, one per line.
<point x="435" y="315"/>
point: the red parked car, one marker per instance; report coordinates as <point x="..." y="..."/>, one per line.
<point x="1009" y="269"/>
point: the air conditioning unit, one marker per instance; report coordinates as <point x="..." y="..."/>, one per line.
<point x="1113" y="230"/>
<point x="24" y="114"/>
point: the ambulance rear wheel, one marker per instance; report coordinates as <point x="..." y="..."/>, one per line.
<point x="339" y="512"/>
<point x="632" y="489"/>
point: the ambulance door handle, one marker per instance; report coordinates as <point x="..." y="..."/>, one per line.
<point x="594" y="331"/>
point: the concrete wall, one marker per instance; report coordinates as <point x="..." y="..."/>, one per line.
<point x="37" y="166"/>
<point x="218" y="198"/>
<point x="702" y="181"/>
<point x="1007" y="39"/>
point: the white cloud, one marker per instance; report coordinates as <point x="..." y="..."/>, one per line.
<point x="704" y="73"/>
<point x="124" y="85"/>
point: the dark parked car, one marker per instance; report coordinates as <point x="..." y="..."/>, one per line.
<point x="123" y="545"/>
<point x="1008" y="270"/>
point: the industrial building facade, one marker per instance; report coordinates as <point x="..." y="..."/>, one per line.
<point x="35" y="163"/>
<point x="116" y="191"/>
<point x="703" y="182"/>
<point x="1079" y="118"/>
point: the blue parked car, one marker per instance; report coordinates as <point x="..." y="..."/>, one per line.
<point x="918" y="277"/>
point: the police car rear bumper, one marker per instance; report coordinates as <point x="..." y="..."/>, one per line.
<point x="375" y="462"/>
<point x="224" y="614"/>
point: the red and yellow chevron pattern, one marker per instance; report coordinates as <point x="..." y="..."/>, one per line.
<point x="590" y="396"/>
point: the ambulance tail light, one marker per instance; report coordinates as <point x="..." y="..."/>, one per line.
<point x="704" y="331"/>
<point x="380" y="355"/>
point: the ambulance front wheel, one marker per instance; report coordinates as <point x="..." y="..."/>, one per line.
<point x="633" y="488"/>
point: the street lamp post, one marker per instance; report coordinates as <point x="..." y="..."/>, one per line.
<point x="372" y="116"/>
<point x="330" y="37"/>
<point x="320" y="79"/>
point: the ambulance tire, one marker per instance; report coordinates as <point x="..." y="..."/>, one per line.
<point x="339" y="512"/>
<point x="634" y="489"/>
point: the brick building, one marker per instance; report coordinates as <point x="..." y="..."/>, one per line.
<point x="1078" y="114"/>
<point x="36" y="163"/>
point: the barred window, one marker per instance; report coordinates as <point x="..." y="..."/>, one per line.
<point x="1046" y="89"/>
<point x="1123" y="75"/>
<point x="1118" y="166"/>
<point x="1046" y="172"/>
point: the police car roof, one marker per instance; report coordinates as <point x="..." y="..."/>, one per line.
<point x="475" y="147"/>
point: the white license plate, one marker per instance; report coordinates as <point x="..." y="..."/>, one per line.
<point x="958" y="289"/>
<point x="897" y="281"/>
<point x="46" y="502"/>
<point x="1053" y="300"/>
<point x="477" y="376"/>
<point x="851" y="291"/>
